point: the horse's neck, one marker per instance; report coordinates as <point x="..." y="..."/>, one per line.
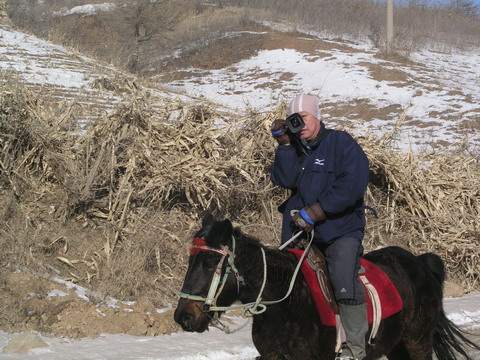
<point x="277" y="265"/>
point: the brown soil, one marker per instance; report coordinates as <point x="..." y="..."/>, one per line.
<point x="360" y="110"/>
<point x="71" y="316"/>
<point x="242" y="46"/>
<point x="382" y="73"/>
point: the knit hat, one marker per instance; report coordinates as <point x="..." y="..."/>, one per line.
<point x="304" y="102"/>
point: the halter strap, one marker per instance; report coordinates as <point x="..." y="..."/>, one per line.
<point x="200" y="244"/>
<point x="214" y="291"/>
<point x="256" y="307"/>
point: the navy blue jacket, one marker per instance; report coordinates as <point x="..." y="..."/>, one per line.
<point x="335" y="174"/>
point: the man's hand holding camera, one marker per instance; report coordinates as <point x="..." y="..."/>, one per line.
<point x="283" y="130"/>
<point x="279" y="132"/>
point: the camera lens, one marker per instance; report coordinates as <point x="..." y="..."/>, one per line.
<point x="295" y="123"/>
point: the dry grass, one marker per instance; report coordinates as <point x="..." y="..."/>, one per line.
<point x="418" y="25"/>
<point x="114" y="209"/>
<point x="429" y="200"/>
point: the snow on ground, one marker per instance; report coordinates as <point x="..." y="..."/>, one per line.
<point x="211" y="345"/>
<point x="440" y="91"/>
<point x="88" y="9"/>
<point x="57" y="73"/>
<point x="21" y="53"/>
<point x="464" y="311"/>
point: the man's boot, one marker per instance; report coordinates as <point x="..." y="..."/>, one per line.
<point x="355" y="323"/>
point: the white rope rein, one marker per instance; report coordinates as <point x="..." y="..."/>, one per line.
<point x="259" y="306"/>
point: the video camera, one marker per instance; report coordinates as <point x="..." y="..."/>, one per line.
<point x="295" y="123"/>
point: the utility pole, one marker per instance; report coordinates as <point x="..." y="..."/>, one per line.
<point x="389" y="26"/>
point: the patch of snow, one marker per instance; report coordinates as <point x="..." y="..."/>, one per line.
<point x="160" y="311"/>
<point x="57" y="293"/>
<point x="210" y="345"/>
<point x="89" y="9"/>
<point x="464" y="311"/>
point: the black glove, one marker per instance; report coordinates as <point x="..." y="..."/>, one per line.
<point x="279" y="132"/>
<point x="306" y="218"/>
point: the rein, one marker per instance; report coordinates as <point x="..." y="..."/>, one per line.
<point x="249" y="309"/>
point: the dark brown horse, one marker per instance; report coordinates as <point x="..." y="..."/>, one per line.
<point x="291" y="329"/>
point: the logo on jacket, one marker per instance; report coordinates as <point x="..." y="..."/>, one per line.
<point x="320" y="162"/>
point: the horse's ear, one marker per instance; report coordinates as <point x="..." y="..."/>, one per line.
<point x="207" y="219"/>
<point x="228" y="227"/>
<point x="226" y="231"/>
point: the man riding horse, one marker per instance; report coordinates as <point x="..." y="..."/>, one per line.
<point x="328" y="173"/>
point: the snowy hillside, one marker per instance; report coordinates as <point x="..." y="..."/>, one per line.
<point x="60" y="75"/>
<point x="436" y="94"/>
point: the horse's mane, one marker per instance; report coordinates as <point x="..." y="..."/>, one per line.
<point x="219" y="233"/>
<point x="281" y="267"/>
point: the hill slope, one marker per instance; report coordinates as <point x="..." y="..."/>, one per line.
<point x="439" y="93"/>
<point x="436" y="94"/>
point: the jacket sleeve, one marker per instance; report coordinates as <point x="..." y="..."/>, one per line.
<point x="285" y="168"/>
<point x="351" y="177"/>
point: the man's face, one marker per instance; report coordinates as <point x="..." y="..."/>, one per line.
<point x="312" y="126"/>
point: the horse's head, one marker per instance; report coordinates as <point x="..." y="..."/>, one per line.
<point x="212" y="279"/>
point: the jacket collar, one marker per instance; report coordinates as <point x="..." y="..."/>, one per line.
<point x="312" y="144"/>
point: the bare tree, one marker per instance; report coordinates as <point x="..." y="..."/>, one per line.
<point x="145" y="25"/>
<point x="466" y="7"/>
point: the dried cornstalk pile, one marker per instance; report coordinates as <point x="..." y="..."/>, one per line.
<point x="137" y="158"/>
<point x="168" y="155"/>
<point x="33" y="137"/>
<point x="431" y="201"/>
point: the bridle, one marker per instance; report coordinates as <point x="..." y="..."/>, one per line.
<point x="214" y="292"/>
<point x="218" y="282"/>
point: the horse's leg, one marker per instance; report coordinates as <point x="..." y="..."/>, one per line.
<point x="419" y="349"/>
<point x="399" y="353"/>
<point x="418" y="337"/>
<point x="271" y="357"/>
<point x="411" y="350"/>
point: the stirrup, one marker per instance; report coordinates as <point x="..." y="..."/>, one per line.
<point x="338" y="356"/>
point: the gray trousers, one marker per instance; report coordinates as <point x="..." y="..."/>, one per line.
<point x="343" y="262"/>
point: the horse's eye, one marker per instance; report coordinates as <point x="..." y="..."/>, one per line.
<point x="210" y="263"/>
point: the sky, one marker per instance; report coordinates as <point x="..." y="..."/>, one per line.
<point x="476" y="2"/>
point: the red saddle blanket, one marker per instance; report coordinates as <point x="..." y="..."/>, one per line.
<point x="391" y="301"/>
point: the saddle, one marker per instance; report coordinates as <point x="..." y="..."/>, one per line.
<point x="316" y="260"/>
<point x="382" y="297"/>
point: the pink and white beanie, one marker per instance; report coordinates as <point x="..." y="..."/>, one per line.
<point x="304" y="102"/>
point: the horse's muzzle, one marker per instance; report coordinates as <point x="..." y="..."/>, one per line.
<point x="190" y="315"/>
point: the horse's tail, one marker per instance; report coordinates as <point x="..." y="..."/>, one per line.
<point x="448" y="340"/>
